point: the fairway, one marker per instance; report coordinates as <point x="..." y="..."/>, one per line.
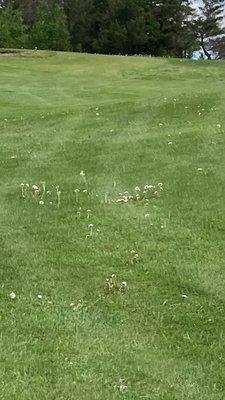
<point x="111" y="166"/>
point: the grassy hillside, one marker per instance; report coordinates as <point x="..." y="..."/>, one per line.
<point x="149" y="136"/>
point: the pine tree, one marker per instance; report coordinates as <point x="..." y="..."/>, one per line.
<point x="12" y="29"/>
<point x="50" y="31"/>
<point x="208" y="25"/>
<point x="173" y="17"/>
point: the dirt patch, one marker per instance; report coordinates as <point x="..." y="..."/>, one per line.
<point x="13" y="53"/>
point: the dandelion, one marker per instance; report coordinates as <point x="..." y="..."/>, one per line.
<point x="83" y="176"/>
<point x="122" y="387"/>
<point x="97" y="114"/>
<point x="169" y="143"/>
<point x="147" y="215"/>
<point x="90" y="227"/>
<point x="22" y="190"/>
<point x="186" y="107"/>
<point x="200" y="169"/>
<point x="39" y="296"/>
<point x="160" y="124"/>
<point x="88" y="214"/>
<point x="43" y="189"/>
<point x="113" y="282"/>
<point x="12" y="295"/>
<point x="199" y="113"/>
<point x="78" y="214"/>
<point x="35" y="187"/>
<point x="50" y="202"/>
<point x="218" y="126"/>
<point x="58" y="193"/>
<point x="41" y="202"/>
<point x="77" y="194"/>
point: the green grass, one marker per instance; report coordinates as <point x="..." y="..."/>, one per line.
<point x="158" y="344"/>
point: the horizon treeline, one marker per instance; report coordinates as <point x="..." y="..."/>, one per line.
<point x="148" y="27"/>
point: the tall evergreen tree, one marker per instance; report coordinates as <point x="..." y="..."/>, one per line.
<point x="208" y="25"/>
<point x="12" y="29"/>
<point x="50" y="28"/>
<point x="81" y="17"/>
<point x="173" y="17"/>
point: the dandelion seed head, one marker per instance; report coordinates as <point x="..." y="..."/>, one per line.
<point x="12" y="295"/>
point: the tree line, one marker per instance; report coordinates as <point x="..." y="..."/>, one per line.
<point x="149" y="27"/>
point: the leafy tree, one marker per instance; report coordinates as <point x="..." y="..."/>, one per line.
<point x="12" y="29"/>
<point x="208" y="25"/>
<point x="50" y="28"/>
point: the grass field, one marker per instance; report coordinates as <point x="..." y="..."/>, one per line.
<point x="149" y="136"/>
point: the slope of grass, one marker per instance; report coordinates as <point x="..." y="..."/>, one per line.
<point x="126" y="122"/>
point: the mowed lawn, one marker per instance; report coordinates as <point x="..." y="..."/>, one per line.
<point x="149" y="136"/>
